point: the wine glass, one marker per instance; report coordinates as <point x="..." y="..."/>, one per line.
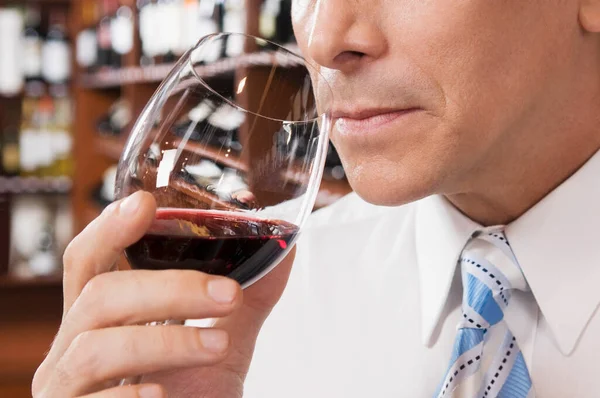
<point x="232" y="146"/>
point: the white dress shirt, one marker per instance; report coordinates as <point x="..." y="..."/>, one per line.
<point x="374" y="298"/>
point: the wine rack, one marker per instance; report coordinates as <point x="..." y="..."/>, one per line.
<point x="35" y="185"/>
<point x="31" y="308"/>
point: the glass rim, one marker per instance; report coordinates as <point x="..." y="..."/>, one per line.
<point x="279" y="47"/>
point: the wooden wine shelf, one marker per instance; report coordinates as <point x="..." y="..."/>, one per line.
<point x="8" y="281"/>
<point x="115" y="78"/>
<point x="19" y="185"/>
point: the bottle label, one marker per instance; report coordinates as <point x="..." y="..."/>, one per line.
<point x="56" y="61"/>
<point x="32" y="56"/>
<point x="235" y="22"/>
<point x="267" y="25"/>
<point x="44" y="150"/>
<point x="121" y="116"/>
<point x="27" y="144"/>
<point x="190" y="26"/>
<point x="121" y="34"/>
<point x="149" y="31"/>
<point x="162" y="37"/>
<point x="61" y="144"/>
<point x="87" y="48"/>
<point x="11" y="73"/>
<point x="172" y="20"/>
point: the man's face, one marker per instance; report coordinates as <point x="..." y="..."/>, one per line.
<point x="452" y="81"/>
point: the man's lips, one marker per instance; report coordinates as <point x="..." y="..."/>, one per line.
<point x="367" y="121"/>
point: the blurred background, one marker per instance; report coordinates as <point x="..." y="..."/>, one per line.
<point x="74" y="75"/>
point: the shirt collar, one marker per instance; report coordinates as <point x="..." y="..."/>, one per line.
<point x="555" y="243"/>
<point x="440" y="236"/>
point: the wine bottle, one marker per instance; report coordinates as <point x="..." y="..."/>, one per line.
<point x="116" y="120"/>
<point x="28" y="137"/>
<point x="208" y="24"/>
<point x="33" y="237"/>
<point x="63" y="223"/>
<point x="10" y="140"/>
<point x="61" y="136"/>
<point x="11" y="73"/>
<point x="267" y="25"/>
<point x="87" y="39"/>
<point x="208" y="17"/>
<point x="219" y="14"/>
<point x="276" y="21"/>
<point x="32" y="46"/>
<point x="234" y="20"/>
<point x="43" y="149"/>
<point x="190" y="25"/>
<point x="171" y="23"/>
<point x="1" y="151"/>
<point x="121" y="32"/>
<point x="149" y="31"/>
<point x="285" y="32"/>
<point x="56" y="51"/>
<point x="107" y="58"/>
<point x="10" y="151"/>
<point x="156" y="31"/>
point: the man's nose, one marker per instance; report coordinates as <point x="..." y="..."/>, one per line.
<point x="345" y="34"/>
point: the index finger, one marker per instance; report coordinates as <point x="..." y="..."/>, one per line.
<point x="98" y="247"/>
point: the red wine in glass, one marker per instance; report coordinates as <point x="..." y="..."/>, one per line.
<point x="218" y="243"/>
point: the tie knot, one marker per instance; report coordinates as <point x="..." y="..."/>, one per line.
<point x="490" y="272"/>
<point x="489" y="254"/>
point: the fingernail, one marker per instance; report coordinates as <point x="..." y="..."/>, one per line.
<point x="130" y="205"/>
<point x="214" y="340"/>
<point x="222" y="290"/>
<point x="150" y="391"/>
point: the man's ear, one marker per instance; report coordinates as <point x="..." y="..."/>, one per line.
<point x="589" y="15"/>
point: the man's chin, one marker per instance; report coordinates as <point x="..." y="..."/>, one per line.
<point x="386" y="192"/>
<point x="394" y="179"/>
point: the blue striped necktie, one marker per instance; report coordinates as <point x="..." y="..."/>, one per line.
<point x="486" y="293"/>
